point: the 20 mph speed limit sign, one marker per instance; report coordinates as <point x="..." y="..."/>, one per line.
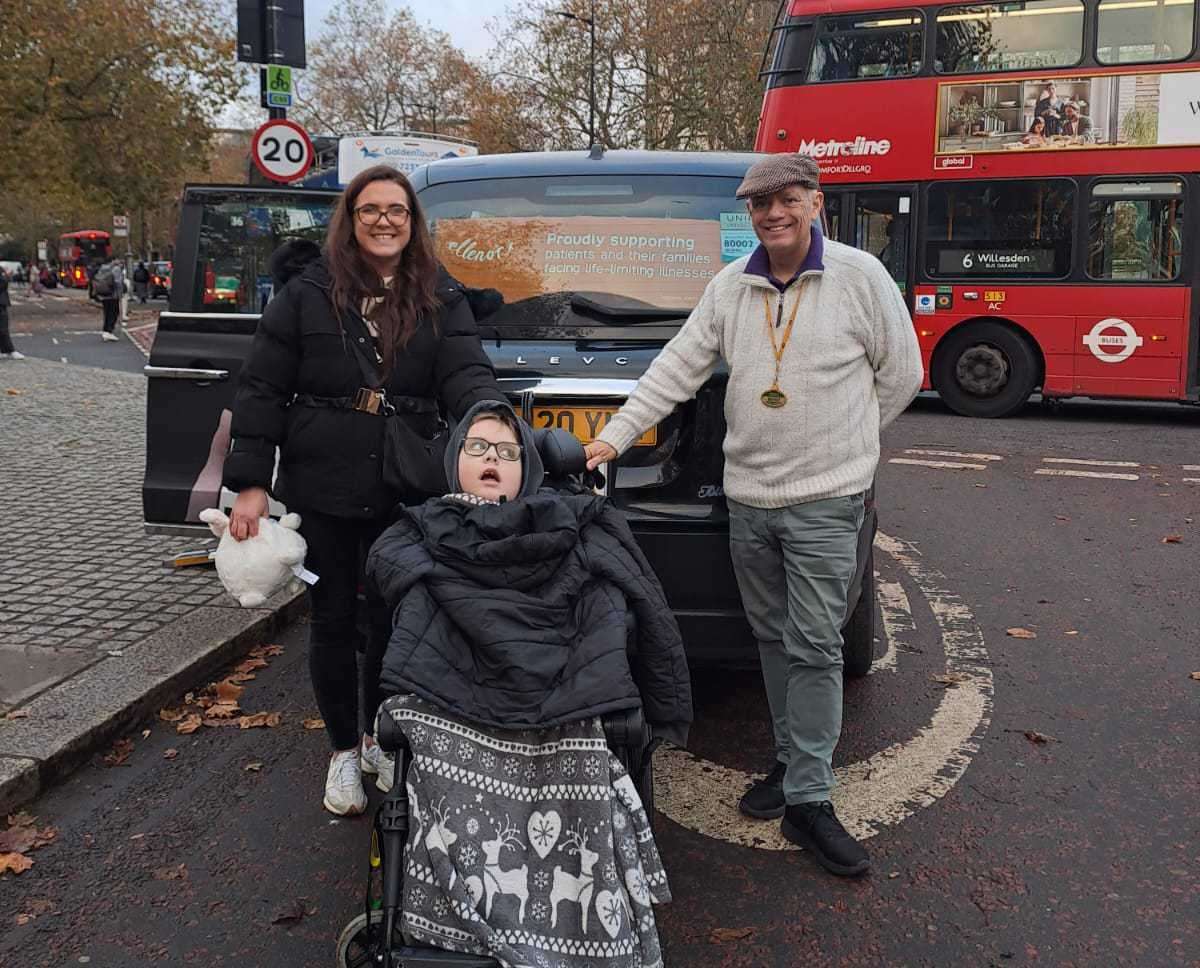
<point x="281" y="150"/>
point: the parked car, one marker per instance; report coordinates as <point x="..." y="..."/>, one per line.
<point x="160" y="279"/>
<point x="599" y="259"/>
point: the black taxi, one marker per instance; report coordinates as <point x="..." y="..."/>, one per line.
<point x="599" y="257"/>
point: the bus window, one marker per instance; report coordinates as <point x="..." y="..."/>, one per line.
<point x="868" y="45"/>
<point x="1009" y="36"/>
<point x="881" y="228"/>
<point x="1132" y="33"/>
<point x="792" y="46"/>
<point x="1000" y="229"/>
<point x="1135" y="237"/>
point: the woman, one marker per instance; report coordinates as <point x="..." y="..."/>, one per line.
<point x="1036" y="135"/>
<point x="375" y="291"/>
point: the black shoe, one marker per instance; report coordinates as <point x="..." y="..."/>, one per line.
<point x="764" y="799"/>
<point x="816" y="828"/>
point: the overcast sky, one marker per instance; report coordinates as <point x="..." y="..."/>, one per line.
<point x="463" y="20"/>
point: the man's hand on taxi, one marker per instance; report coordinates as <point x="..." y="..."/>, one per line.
<point x="598" y="452"/>
<point x="249" y="506"/>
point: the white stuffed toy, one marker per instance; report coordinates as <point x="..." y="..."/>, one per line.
<point x="255" y="569"/>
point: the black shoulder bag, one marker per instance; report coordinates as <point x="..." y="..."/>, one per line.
<point x="414" y="435"/>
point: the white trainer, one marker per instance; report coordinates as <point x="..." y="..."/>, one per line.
<point x="14" y="355"/>
<point x="109" y="337"/>
<point x="344" y="793"/>
<point x="382" y="765"/>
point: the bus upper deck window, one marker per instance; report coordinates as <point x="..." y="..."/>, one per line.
<point x="1144" y="31"/>
<point x="868" y="45"/>
<point x="986" y="37"/>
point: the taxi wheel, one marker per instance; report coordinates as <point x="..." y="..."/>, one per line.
<point x="858" y="637"/>
<point x="985" y="369"/>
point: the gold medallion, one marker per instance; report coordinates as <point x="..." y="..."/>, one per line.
<point x="774" y="398"/>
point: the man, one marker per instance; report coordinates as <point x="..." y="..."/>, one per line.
<point x="1049" y="108"/>
<point x="141" y="282"/>
<point x="7" y="350"/>
<point x="1076" y="125"/>
<point x="801" y="448"/>
<point x="108" y="285"/>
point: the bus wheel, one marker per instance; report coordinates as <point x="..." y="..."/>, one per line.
<point x="985" y="370"/>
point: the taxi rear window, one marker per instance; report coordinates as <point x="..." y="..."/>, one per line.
<point x="631" y="240"/>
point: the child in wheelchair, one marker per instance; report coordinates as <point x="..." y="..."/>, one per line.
<point x="525" y="621"/>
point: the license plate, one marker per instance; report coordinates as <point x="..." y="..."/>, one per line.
<point x="585" y="422"/>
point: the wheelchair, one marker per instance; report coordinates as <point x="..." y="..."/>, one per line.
<point x="374" y="938"/>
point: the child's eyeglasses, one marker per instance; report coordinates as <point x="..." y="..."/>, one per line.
<point x="505" y="449"/>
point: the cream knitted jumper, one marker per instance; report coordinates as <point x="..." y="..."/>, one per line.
<point x="852" y="366"/>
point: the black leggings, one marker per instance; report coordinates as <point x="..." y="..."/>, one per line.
<point x="112" y="311"/>
<point x="6" y="343"/>
<point x="337" y="550"/>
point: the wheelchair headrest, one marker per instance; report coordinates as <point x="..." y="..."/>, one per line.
<point x="561" y="452"/>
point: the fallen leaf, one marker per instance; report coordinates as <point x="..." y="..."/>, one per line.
<point x="170" y="754"/>
<point x="1173" y="539"/>
<point x="16" y="863"/>
<point x="45" y="836"/>
<point x="249" y="665"/>
<point x="223" y="710"/>
<point x="171" y="715"/>
<point x="259" y="719"/>
<point x="17" y="840"/>
<point x="115" y="653"/>
<point x="17" y="714"/>
<point x="893" y="875"/>
<point x="315" y="723"/>
<point x="177" y="873"/>
<point x="21" y="819"/>
<point x="23" y="919"/>
<point x="240" y="677"/>
<point x="1039" y="738"/>
<point x="136" y="836"/>
<point x="14" y="393"/>
<point x="288" y="913"/>
<point x="1071" y="632"/>
<point x="252" y="767"/>
<point x="189" y="725"/>
<point x="1195" y="675"/>
<point x="1020" y="633"/>
<point x="1061" y="517"/>
<point x="145" y="734"/>
<point x="949" y="678"/>
<point x="261" y="651"/>
<point x="228" y="691"/>
<point x="119" y="752"/>
<point x="214" y="723"/>
<point x="981" y="485"/>
<point x="725" y="935"/>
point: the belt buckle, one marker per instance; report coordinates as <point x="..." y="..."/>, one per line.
<point x="367" y="401"/>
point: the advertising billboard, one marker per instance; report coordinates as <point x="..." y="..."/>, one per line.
<point x="356" y="154"/>
<point x="1069" y="113"/>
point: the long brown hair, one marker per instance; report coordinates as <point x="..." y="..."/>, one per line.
<point x="412" y="293"/>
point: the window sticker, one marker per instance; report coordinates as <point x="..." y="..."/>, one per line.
<point x="737" y="236"/>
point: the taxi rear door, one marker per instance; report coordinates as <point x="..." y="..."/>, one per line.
<point x="219" y="286"/>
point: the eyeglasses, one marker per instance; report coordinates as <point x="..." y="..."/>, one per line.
<point x="371" y="214"/>
<point x="505" y="449"/>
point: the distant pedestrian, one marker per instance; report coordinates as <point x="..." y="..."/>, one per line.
<point x="106" y="286"/>
<point x="141" y="281"/>
<point x="35" y="279"/>
<point x="7" y="350"/>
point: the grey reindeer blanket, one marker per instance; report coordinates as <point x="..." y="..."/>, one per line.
<point x="531" y="846"/>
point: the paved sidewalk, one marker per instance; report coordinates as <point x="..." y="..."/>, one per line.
<point x="94" y="630"/>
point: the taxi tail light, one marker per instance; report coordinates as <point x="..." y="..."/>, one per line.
<point x="210" y="285"/>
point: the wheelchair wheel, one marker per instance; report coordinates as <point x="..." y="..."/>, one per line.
<point x="356" y="944"/>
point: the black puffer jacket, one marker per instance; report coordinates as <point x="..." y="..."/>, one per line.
<point x="330" y="458"/>
<point x="514" y="614"/>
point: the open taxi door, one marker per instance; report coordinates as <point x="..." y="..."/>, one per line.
<point x="220" y="285"/>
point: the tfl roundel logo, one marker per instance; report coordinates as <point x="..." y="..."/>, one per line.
<point x="1122" y="343"/>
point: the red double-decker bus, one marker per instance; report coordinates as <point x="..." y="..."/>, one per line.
<point x="1027" y="172"/>
<point x="79" y="250"/>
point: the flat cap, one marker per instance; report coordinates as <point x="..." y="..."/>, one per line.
<point x="778" y="171"/>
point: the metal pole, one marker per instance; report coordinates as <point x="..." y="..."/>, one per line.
<point x="272" y="11"/>
<point x="592" y="80"/>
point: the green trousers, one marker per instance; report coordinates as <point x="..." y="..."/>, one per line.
<point x="794" y="566"/>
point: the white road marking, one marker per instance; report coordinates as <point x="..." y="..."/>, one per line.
<point x="1090" y="463"/>
<point x="953" y="453"/>
<point x="897" y="621"/>
<point x="940" y="464"/>
<point x="1191" y="467"/>
<point x="1191" y="480"/>
<point x="875" y="793"/>
<point x="1048" y="472"/>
